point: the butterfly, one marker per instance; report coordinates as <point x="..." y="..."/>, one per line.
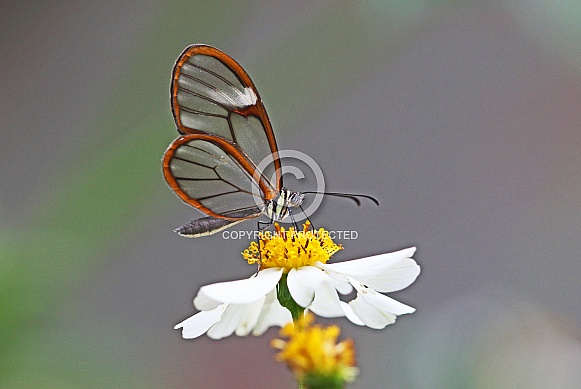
<point x="225" y="131"/>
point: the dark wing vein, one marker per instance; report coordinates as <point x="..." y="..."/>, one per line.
<point x="212" y="87"/>
<point x="244" y="209"/>
<point x="231" y="127"/>
<point x="199" y="179"/>
<point x="196" y="112"/>
<point x="219" y="76"/>
<point x="220" y="178"/>
<point x="217" y="195"/>
<point x="231" y="184"/>
<point x="205" y="151"/>
<point x="192" y="162"/>
<point x="194" y="93"/>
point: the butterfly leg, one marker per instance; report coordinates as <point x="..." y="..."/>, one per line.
<point x="295" y="224"/>
<point x="265" y="225"/>
<point x="309" y="220"/>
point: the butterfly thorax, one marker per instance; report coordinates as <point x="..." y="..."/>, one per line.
<point x="278" y="208"/>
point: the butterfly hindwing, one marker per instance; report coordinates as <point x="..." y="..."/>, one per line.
<point x="212" y="174"/>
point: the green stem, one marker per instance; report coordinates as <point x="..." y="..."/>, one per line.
<point x="315" y="381"/>
<point x="285" y="299"/>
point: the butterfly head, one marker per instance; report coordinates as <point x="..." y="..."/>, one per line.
<point x="278" y="208"/>
<point x="294" y="199"/>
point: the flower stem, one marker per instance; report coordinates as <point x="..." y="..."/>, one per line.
<point x="321" y="382"/>
<point x="285" y="299"/>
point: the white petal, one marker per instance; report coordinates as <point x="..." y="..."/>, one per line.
<point x="326" y="302"/>
<point x="243" y="291"/>
<point x="387" y="304"/>
<point x="200" y="322"/>
<point x="374" y="309"/>
<point x="272" y="314"/>
<point x="384" y="272"/>
<point x="302" y="283"/>
<point x="350" y="314"/>
<point x="226" y="326"/>
<point x="234" y="315"/>
<point x="250" y="317"/>
<point x="369" y="315"/>
<point x="340" y="282"/>
<point x="204" y="303"/>
<point x="380" y="301"/>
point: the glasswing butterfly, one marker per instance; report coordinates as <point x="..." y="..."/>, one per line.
<point x="224" y="131"/>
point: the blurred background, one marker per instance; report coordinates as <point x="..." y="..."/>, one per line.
<point x="462" y="117"/>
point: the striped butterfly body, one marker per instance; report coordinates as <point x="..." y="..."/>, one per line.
<point x="224" y="131"/>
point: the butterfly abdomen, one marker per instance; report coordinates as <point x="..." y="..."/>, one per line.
<point x="205" y="226"/>
<point x="210" y="225"/>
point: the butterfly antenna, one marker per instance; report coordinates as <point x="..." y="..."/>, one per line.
<point x="352" y="196"/>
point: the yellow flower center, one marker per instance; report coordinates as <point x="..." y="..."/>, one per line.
<point x="290" y="249"/>
<point x="314" y="350"/>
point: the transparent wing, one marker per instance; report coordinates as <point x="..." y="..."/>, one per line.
<point x="211" y="93"/>
<point x="215" y="176"/>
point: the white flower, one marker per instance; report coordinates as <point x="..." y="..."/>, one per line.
<point x="242" y="306"/>
<point x="251" y="305"/>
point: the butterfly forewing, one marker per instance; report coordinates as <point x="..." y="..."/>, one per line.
<point x="212" y="94"/>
